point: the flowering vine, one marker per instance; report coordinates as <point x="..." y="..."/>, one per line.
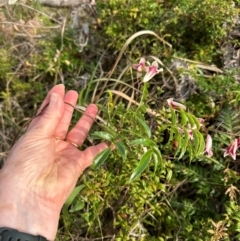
<point x="150" y="70"/>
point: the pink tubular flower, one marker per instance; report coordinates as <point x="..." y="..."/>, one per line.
<point x="231" y="150"/>
<point x="152" y="70"/>
<point x="208" y="146"/>
<point x="175" y="105"/>
<point x="140" y="67"/>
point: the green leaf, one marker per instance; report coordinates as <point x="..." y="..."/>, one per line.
<point x="101" y="158"/>
<point x="196" y="121"/>
<point x="184" y="119"/>
<point x="74" y="193"/>
<point x="178" y="138"/>
<point x="159" y="156"/>
<point x="191" y="154"/>
<point x="195" y="142"/>
<point x="169" y="174"/>
<point x="193" y="120"/>
<point x="185" y="140"/>
<point x="110" y="104"/>
<point x="143" y="164"/>
<point x="171" y="134"/>
<point x="173" y="116"/>
<point x="78" y="206"/>
<point x="142" y="141"/>
<point x="145" y="127"/>
<point x="156" y="161"/>
<point x="201" y="144"/>
<point x="66" y="216"/>
<point x="121" y="149"/>
<point x="102" y="135"/>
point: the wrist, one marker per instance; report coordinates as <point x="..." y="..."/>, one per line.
<point x="7" y="234"/>
<point x="28" y="216"/>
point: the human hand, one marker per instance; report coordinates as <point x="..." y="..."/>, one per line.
<point x="43" y="166"/>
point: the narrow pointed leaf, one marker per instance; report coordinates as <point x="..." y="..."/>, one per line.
<point x="195" y="143"/>
<point x="193" y="120"/>
<point x="190" y="153"/>
<point x="178" y="138"/>
<point x="196" y="121"/>
<point x="201" y="144"/>
<point x="73" y="195"/>
<point x="169" y="174"/>
<point x="121" y="149"/>
<point x="173" y="116"/>
<point x="65" y="212"/>
<point x="143" y="164"/>
<point x="145" y="127"/>
<point x="184" y="119"/>
<point x="185" y="140"/>
<point x="190" y="119"/>
<point x="159" y="156"/>
<point x="102" y="135"/>
<point x="143" y="141"/>
<point x="101" y="157"/>
<point x="156" y="161"/>
<point x="78" y="206"/>
<point x="171" y="135"/>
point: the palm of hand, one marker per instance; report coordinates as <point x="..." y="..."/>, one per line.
<point x="43" y="167"/>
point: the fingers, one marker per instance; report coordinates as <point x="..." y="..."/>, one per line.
<point x="49" y="120"/>
<point x="60" y="89"/>
<point x="70" y="100"/>
<point x="55" y="116"/>
<point x="80" y="131"/>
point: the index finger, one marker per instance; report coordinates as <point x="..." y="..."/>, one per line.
<point x="60" y="89"/>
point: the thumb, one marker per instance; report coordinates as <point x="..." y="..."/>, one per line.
<point x="50" y="118"/>
<point x="89" y="154"/>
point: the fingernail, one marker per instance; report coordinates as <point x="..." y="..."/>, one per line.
<point x="53" y="98"/>
<point x="62" y="85"/>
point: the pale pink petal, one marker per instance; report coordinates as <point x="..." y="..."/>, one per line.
<point x="201" y="121"/>
<point x="231" y="150"/>
<point x="152" y="71"/>
<point x="141" y="66"/>
<point x="175" y="105"/>
<point x="208" y="146"/>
